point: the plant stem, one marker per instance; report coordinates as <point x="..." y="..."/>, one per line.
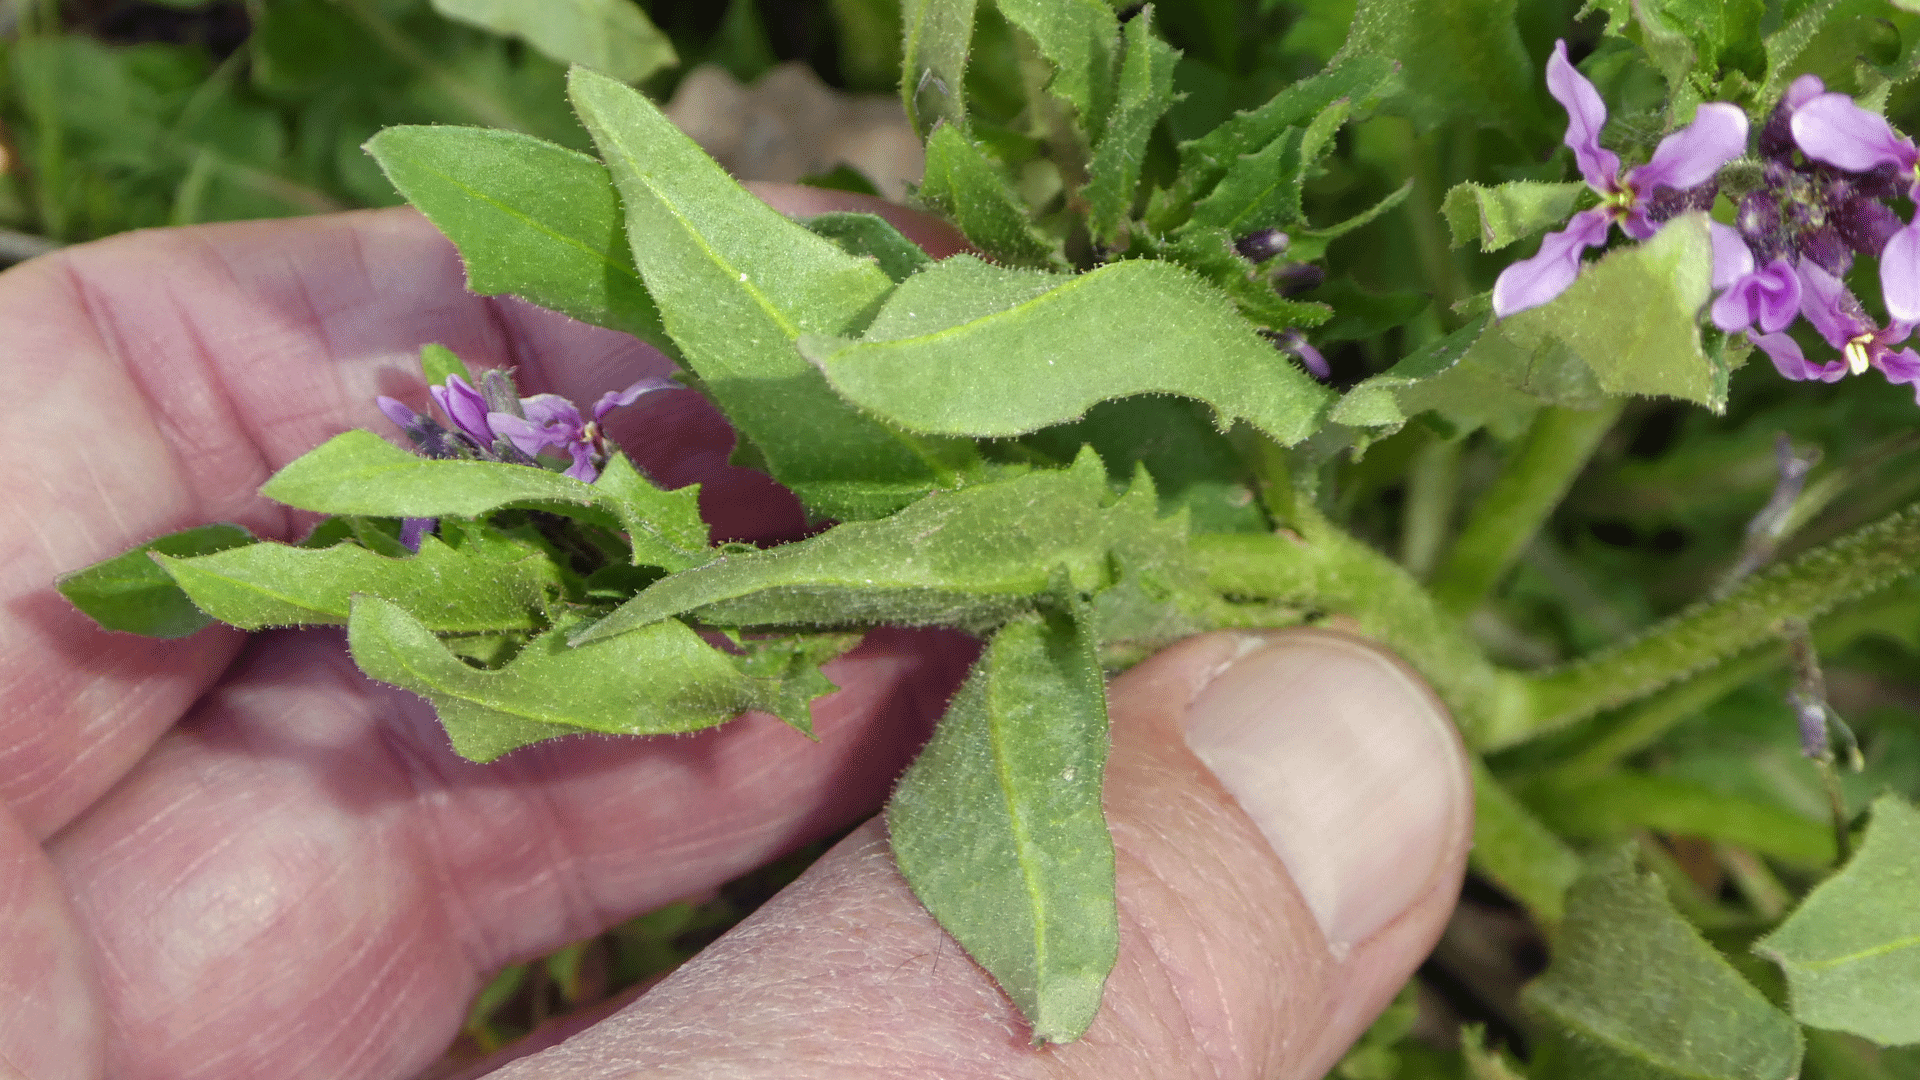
<point x="1642" y="726"/>
<point x="1433" y="489"/>
<point x="1505" y="519"/>
<point x="1323" y="568"/>
<point x="1699" y="638"/>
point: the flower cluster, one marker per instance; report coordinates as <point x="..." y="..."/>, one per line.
<point x="494" y="423"/>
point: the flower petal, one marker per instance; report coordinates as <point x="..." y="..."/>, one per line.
<point x="1827" y="304"/>
<point x="1732" y="258"/>
<point x="1586" y="115"/>
<point x="1900" y="274"/>
<point x="1694" y="154"/>
<point x="552" y="410"/>
<point x="1802" y="90"/>
<point x="583" y="469"/>
<point x="1831" y="128"/>
<point x="466" y="407"/>
<point x="612" y="400"/>
<point x="1532" y="282"/>
<point x="402" y="417"/>
<point x="412" y="529"/>
<point x="527" y="436"/>
<point x="1791" y="363"/>
<point x="1901" y="367"/>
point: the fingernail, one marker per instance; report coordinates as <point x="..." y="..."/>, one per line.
<point x="1348" y="766"/>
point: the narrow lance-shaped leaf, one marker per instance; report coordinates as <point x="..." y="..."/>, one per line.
<point x="1132" y="327"/>
<point x="530" y="218"/>
<point x="262" y="585"/>
<point x="934" y="37"/>
<point x="661" y="679"/>
<point x="129" y="592"/>
<point x="737" y="284"/>
<point x="970" y="558"/>
<point x="358" y="472"/>
<point x="1143" y="93"/>
<point x="1257" y="191"/>
<point x="970" y="188"/>
<point x="1635" y="993"/>
<point x="614" y="36"/>
<point x="998" y="826"/>
<point x="874" y="237"/>
<point x="1851" y="951"/>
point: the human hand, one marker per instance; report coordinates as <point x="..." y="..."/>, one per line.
<point x="232" y="858"/>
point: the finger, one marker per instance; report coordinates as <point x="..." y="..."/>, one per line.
<point x="52" y="1026"/>
<point x="1269" y="906"/>
<point x="302" y="880"/>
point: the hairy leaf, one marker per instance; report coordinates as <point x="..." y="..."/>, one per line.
<point x="613" y="36"/>
<point x="1499" y="215"/>
<point x="737" y="283"/>
<point x="1131" y="327"/>
<point x="358" y="472"/>
<point x="131" y="593"/>
<point x="970" y="189"/>
<point x="935" y="35"/>
<point x="661" y="679"/>
<point x="1459" y="60"/>
<point x="1258" y="191"/>
<point x="1081" y="39"/>
<point x="998" y="826"/>
<point x="971" y="558"/>
<point x="1209" y="252"/>
<point x="1851" y="951"/>
<point x="1144" y="93"/>
<point x="874" y="237"/>
<point x="450" y="591"/>
<point x="1635" y="992"/>
<point x="530" y="218"/>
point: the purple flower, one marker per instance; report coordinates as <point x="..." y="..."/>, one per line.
<point x="1685" y="159"/>
<point x="1830" y="128"/>
<point x="551" y="422"/>
<point x="1769" y="296"/>
<point x="1791" y="363"/>
<point x="1863" y="343"/>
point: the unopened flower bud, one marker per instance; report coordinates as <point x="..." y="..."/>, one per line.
<point x="1260" y="246"/>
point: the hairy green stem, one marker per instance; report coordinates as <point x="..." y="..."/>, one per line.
<point x="1433" y="489"/>
<point x="1699" y="638"/>
<point x="1504" y="520"/>
<point x="1324" y="569"/>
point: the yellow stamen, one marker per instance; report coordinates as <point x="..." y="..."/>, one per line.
<point x="1856" y="354"/>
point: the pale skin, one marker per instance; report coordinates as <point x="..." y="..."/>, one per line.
<point x="231" y="858"/>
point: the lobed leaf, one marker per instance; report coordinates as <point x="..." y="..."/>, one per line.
<point x="1209" y="252"/>
<point x="358" y="472"/>
<point x="873" y="237"/>
<point x="970" y="558"/>
<point x="1131" y="327"/>
<point x="737" y="283"/>
<point x="1851" y="951"/>
<point x="935" y="35"/>
<point x="1258" y="191"/>
<point x="659" y="680"/>
<point x="1499" y="215"/>
<point x="450" y="591"/>
<point x="1143" y="94"/>
<point x="998" y="826"/>
<point x="131" y="593"/>
<point x="1635" y="992"/>
<point x="971" y="189"/>
<point x="1080" y="38"/>
<point x="530" y="218"/>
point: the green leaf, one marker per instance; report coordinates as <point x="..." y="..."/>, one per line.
<point x="1784" y="46"/>
<point x="1209" y="252"/>
<point x="659" y="680"/>
<point x="1459" y="60"/>
<point x="1080" y="39"/>
<point x="530" y="218"/>
<point x="1311" y="244"/>
<point x="612" y="36"/>
<point x="358" y="472"/>
<point x="1628" y="325"/>
<point x="1635" y="992"/>
<point x="971" y="190"/>
<point x="1360" y="314"/>
<point x="874" y="237"/>
<point x="1131" y="327"/>
<point x="1499" y="215"/>
<point x="1519" y="853"/>
<point x="998" y="826"/>
<point x="971" y="558"/>
<point x="1144" y="93"/>
<point x="1851" y="951"/>
<point x="933" y="65"/>
<point x="1258" y="191"/>
<point x="1614" y="805"/>
<point x="130" y="593"/>
<point x="437" y="363"/>
<point x="450" y="591"/>
<point x="737" y="283"/>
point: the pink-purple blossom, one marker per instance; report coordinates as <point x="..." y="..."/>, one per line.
<point x="551" y="422"/>
<point x="1837" y="316"/>
<point x="1686" y="159"/>
<point x="1830" y="128"/>
<point x="1767" y="297"/>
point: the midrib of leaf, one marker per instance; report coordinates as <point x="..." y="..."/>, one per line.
<point x="479" y="196"/>
<point x="262" y="590"/>
<point x="1864" y="954"/>
<point x="1022" y="838"/>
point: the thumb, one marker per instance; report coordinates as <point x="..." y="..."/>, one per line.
<point x="1291" y="815"/>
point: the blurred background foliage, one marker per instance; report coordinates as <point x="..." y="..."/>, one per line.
<point x="118" y="115"/>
